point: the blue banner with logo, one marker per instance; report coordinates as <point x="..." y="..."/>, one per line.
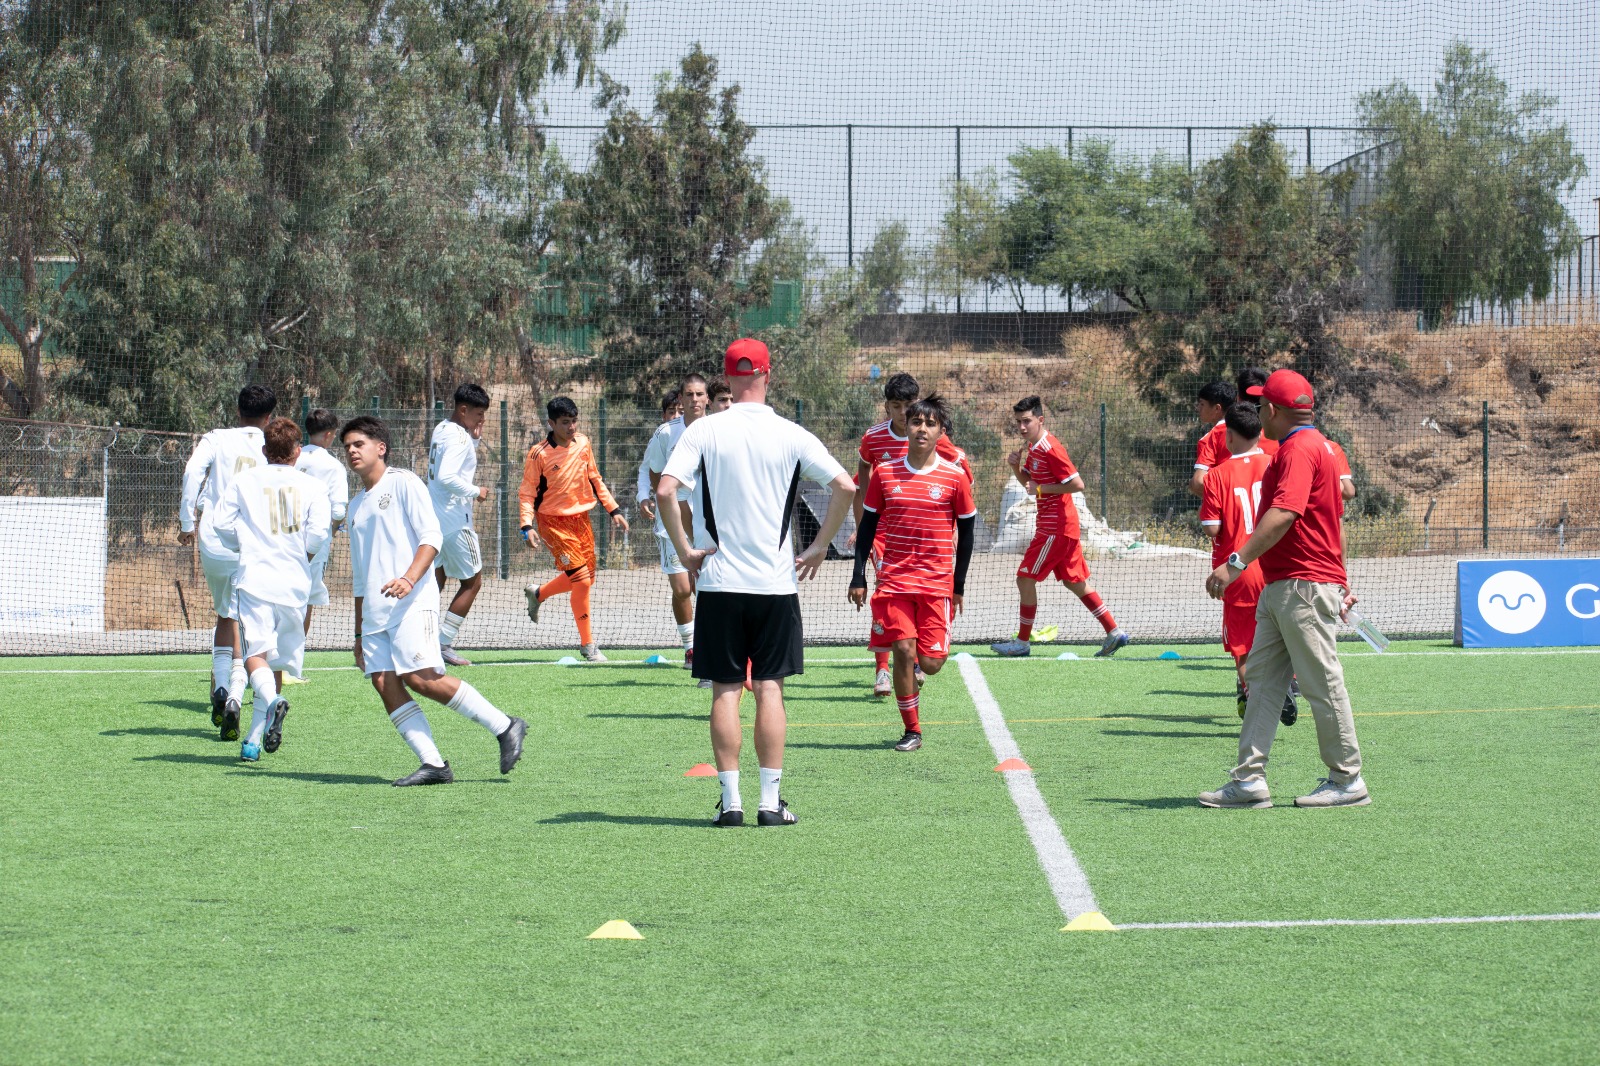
<point x="1527" y="603"/>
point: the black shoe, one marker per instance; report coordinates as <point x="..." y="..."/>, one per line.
<point x="229" y="727"/>
<point x="727" y="819"/>
<point x="782" y="816"/>
<point x="218" y="698"/>
<point x="910" y="742"/>
<point x="274" y="738"/>
<point x="427" y="775"/>
<point x="511" y="744"/>
<point x="1241" y="696"/>
<point x="1290" y="713"/>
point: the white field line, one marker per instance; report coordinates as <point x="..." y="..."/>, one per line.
<point x="1061" y="869"/>
<point x="1583" y="916"/>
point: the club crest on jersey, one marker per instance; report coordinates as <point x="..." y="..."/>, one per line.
<point x="877" y="628"/>
<point x="385" y="500"/>
<point x="935" y="492"/>
<point x="566" y="560"/>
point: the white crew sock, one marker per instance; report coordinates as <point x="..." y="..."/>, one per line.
<point x="729" y="779"/>
<point x="266" y="695"/>
<point x="468" y="702"/>
<point x="686" y="634"/>
<point x="449" y="626"/>
<point x="413" y="727"/>
<point x="221" y="667"/>
<point x="237" y="681"/>
<point x="769" y="788"/>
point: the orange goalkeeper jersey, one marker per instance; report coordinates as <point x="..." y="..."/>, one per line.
<point x="561" y="481"/>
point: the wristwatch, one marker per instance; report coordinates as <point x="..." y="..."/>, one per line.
<point x="1237" y="563"/>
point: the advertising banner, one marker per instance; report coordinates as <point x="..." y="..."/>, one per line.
<point x="55" y="580"/>
<point x="1527" y="603"/>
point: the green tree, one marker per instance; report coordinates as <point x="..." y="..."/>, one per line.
<point x="1472" y="205"/>
<point x="888" y="265"/>
<point x="976" y="242"/>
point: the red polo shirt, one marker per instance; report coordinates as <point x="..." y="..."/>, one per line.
<point x="1304" y="478"/>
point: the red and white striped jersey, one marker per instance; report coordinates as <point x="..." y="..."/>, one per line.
<point x="1048" y="463"/>
<point x="880" y="444"/>
<point x="917" y="512"/>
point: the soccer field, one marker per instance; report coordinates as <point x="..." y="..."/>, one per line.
<point x="162" y="902"/>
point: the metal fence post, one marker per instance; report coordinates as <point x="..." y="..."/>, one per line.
<point x="1188" y="137"/>
<point x="1308" y="147"/>
<point x="438" y="410"/>
<point x="1103" y="490"/>
<point x="1486" y="474"/>
<point x="958" y="210"/>
<point x="800" y="412"/>
<point x="374" y="407"/>
<point x="850" y="196"/>
<point x="605" y="437"/>
<point x="305" y="416"/>
<point x="505" y="485"/>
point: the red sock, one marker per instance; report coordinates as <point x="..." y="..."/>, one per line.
<point x="1029" y="612"/>
<point x="908" y="712"/>
<point x="882" y="658"/>
<point x="1098" y="608"/>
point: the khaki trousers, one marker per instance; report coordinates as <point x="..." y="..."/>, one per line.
<point x="1295" y="638"/>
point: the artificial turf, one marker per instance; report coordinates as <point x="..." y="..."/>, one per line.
<point x="161" y="902"/>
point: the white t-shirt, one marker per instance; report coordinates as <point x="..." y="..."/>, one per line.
<point x="219" y="456"/>
<point x="747" y="466"/>
<point x="656" y="454"/>
<point x="320" y="464"/>
<point x="388" y="523"/>
<point x="276" y="518"/>
<point x="452" y="462"/>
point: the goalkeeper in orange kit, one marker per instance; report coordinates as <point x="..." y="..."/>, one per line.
<point x="560" y="486"/>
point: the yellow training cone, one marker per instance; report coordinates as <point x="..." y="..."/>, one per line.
<point x="1092" y="922"/>
<point x="617" y="929"/>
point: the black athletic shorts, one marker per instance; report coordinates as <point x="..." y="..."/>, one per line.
<point x="732" y="628"/>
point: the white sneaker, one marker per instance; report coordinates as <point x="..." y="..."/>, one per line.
<point x="688" y="658"/>
<point x="591" y="652"/>
<point x="883" y="685"/>
<point x="1328" y="794"/>
<point x="1238" y="794"/>
<point x="453" y="657"/>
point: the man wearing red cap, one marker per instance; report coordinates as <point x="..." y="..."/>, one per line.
<point x="744" y="468"/>
<point x="1299" y="539"/>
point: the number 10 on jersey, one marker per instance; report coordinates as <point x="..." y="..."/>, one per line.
<point x="283" y="509"/>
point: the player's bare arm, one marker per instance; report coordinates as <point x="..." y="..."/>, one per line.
<point x="401" y="587"/>
<point x="672" y="520"/>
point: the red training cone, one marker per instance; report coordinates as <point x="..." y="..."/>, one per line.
<point x="701" y="769"/>
<point x="1012" y="764"/>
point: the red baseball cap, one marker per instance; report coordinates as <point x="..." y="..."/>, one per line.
<point x="1285" y="388"/>
<point x="742" y="349"/>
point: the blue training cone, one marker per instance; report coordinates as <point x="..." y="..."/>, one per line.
<point x="1169" y="655"/>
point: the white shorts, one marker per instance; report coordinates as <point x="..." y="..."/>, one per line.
<point x="669" y="556"/>
<point x="274" y="631"/>
<point x="409" y="645"/>
<point x="220" y="571"/>
<point x="319" y="588"/>
<point x="459" y="556"/>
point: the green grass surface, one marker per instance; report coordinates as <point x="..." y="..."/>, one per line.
<point x="161" y="902"/>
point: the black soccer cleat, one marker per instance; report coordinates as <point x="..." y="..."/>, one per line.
<point x="782" y="816"/>
<point x="1291" y="712"/>
<point x="727" y="819"/>
<point x="229" y="729"/>
<point x="219" y="697"/>
<point x="511" y="744"/>
<point x="427" y="775"/>
<point x="274" y="738"/>
<point x="910" y="742"/>
<point x="1241" y="696"/>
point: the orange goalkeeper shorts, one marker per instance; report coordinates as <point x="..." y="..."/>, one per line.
<point x="570" y="539"/>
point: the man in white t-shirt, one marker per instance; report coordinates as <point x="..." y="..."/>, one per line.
<point x="277" y="519"/>
<point x="394" y="539"/>
<point x="452" y="463"/>
<point x="218" y="456"/>
<point x="645" y="495"/>
<point x="695" y="397"/>
<point x="316" y="460"/>
<point x="746" y="466"/>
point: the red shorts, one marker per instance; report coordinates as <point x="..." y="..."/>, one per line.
<point x="904" y="616"/>
<point x="1054" y="555"/>
<point x="1239" y="628"/>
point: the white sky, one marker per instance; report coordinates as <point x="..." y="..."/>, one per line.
<point x="1201" y="62"/>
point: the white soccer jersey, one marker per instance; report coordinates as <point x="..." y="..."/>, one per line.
<point x="276" y="518"/>
<point x="321" y="464"/>
<point x="220" y="455"/>
<point x="452" y="462"/>
<point x="388" y="523"/>
<point x="656" y="454"/>
<point x="748" y="465"/>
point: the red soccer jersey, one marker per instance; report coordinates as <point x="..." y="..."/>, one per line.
<point x="1304" y="479"/>
<point x="1212" y="450"/>
<point x="1340" y="460"/>
<point x="1230" y="502"/>
<point x="1048" y="463"/>
<point x="917" y="512"/>
<point x="880" y="445"/>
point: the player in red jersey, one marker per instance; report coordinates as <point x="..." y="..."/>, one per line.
<point x="1228" y="513"/>
<point x="884" y="443"/>
<point x="1212" y="402"/>
<point x="1347" y="480"/>
<point x="1045" y="469"/>
<point x="920" y="516"/>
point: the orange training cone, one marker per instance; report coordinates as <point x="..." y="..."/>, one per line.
<point x="1012" y="764"/>
<point x="701" y="769"/>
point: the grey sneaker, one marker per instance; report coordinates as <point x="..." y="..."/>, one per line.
<point x="882" y="684"/>
<point x="1238" y="794"/>
<point x="453" y="657"/>
<point x="1328" y="794"/>
<point x="1117" y="638"/>
<point x="591" y="652"/>
<point x="532" y="592"/>
<point x="1012" y="649"/>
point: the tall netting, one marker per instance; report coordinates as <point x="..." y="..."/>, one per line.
<point x="365" y="205"/>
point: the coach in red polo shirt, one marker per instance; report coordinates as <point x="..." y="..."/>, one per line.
<point x="1299" y="539"/>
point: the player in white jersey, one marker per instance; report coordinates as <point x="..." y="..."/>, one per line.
<point x="452" y="462"/>
<point x="278" y="519"/>
<point x="394" y="538"/>
<point x="316" y="460"/>
<point x="220" y="455"/>
<point x="644" y="495"/>
<point x="695" y="396"/>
